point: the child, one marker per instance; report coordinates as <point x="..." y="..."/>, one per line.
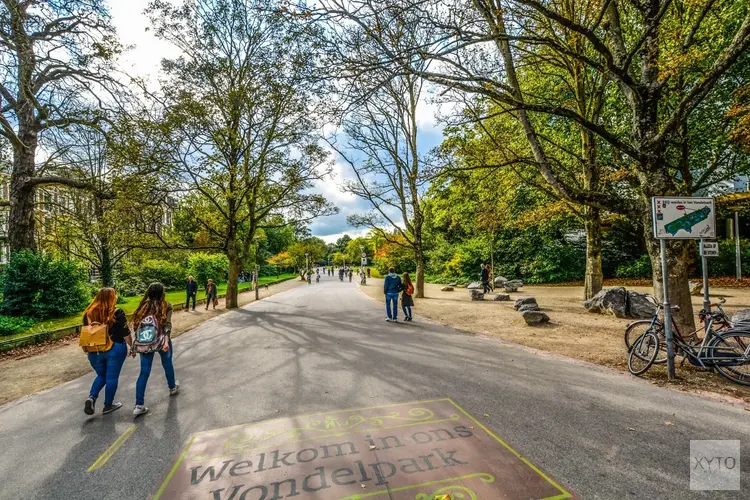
<point x="408" y="290"/>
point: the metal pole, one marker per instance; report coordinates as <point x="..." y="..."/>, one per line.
<point x="706" y="300"/>
<point x="255" y="279"/>
<point x="737" y="244"/>
<point x="667" y="309"/>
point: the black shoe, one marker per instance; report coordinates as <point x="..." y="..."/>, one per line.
<point x="111" y="408"/>
<point x="88" y="406"/>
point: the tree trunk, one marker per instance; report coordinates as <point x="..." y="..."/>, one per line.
<point x="235" y="267"/>
<point x="106" y="272"/>
<point x="21" y="219"/>
<point x="594" y="275"/>
<point x="419" y="292"/>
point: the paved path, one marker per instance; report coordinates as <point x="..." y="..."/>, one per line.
<point x="325" y="347"/>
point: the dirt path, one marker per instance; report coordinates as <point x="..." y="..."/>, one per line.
<point x="62" y="361"/>
<point x="573" y="332"/>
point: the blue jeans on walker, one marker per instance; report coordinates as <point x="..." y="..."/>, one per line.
<point x="391" y="304"/>
<point x="147" y="360"/>
<point x="107" y="366"/>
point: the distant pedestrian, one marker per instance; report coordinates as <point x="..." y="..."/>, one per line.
<point x="211" y="294"/>
<point x="391" y="288"/>
<point x="152" y="322"/>
<point x="485" y="278"/>
<point x="407" y="302"/>
<point x="351" y="273"/>
<point x="191" y="289"/>
<point x="368" y="272"/>
<point x="103" y="315"/>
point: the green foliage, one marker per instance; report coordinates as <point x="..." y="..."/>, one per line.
<point x="638" y="268"/>
<point x="137" y="276"/>
<point x="203" y="266"/>
<point x="43" y="286"/>
<point x="725" y="264"/>
<point x="10" y="325"/>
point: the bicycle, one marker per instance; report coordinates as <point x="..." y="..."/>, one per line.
<point x="727" y="351"/>
<point x="635" y="330"/>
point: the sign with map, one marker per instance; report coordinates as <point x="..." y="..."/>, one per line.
<point x="425" y="450"/>
<point x="684" y="218"/>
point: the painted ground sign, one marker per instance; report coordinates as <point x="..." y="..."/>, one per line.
<point x="426" y="450"/>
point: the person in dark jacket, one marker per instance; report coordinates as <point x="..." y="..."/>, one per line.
<point x="107" y="364"/>
<point x="211" y="294"/>
<point x="407" y="302"/>
<point x="191" y="288"/>
<point x="485" y="277"/>
<point x="391" y="288"/>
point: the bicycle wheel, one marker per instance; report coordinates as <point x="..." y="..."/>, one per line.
<point x="643" y="353"/>
<point x="635" y="330"/>
<point x="728" y="352"/>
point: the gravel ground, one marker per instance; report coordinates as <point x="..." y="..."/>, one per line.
<point x="572" y="332"/>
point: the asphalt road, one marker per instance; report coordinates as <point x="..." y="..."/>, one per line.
<point x="325" y="347"/>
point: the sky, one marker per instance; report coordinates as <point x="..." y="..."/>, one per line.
<point x="144" y="60"/>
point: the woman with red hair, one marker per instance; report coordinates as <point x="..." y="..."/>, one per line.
<point x="107" y="364"/>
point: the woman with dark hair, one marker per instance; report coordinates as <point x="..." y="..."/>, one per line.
<point x="407" y="302"/>
<point x="154" y="304"/>
<point x="107" y="364"/>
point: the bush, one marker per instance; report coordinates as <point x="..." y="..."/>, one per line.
<point x="639" y="268"/>
<point x="204" y="266"/>
<point x="42" y="286"/>
<point x="171" y="275"/>
<point x="10" y="325"/>
<point x="130" y="286"/>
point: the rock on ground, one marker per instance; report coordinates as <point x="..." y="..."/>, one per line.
<point x="510" y="288"/>
<point x="528" y="307"/>
<point x="523" y="301"/>
<point x="476" y="294"/>
<point x="696" y="288"/>
<point x="446" y="289"/>
<point x="535" y="317"/>
<point x="641" y="305"/>
<point x="500" y="281"/>
<point x="516" y="283"/>
<point x="741" y="316"/>
<point x="474" y="286"/>
<point x="609" y="301"/>
<point x="501" y="297"/>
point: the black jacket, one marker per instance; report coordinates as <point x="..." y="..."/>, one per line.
<point x="191" y="287"/>
<point x="485" y="274"/>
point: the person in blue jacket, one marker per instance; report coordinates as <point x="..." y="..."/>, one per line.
<point x="391" y="287"/>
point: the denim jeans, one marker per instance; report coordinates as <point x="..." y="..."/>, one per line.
<point x="107" y="366"/>
<point x="187" y="302"/>
<point x="147" y="360"/>
<point x="391" y="305"/>
<point x="407" y="310"/>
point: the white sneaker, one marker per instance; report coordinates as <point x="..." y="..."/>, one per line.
<point x="139" y="410"/>
<point x="174" y="391"/>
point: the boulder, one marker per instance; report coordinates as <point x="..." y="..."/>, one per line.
<point x="641" y="305"/>
<point x="474" y="286"/>
<point x="501" y="297"/>
<point x="452" y="284"/>
<point x="516" y="283"/>
<point x="510" y="288"/>
<point x="500" y="281"/>
<point x="741" y="316"/>
<point x="528" y="307"/>
<point x="535" y="317"/>
<point x="476" y="294"/>
<point x="696" y="288"/>
<point x="446" y="289"/>
<point x="609" y="301"/>
<point x="524" y="301"/>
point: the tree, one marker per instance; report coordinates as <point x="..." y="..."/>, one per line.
<point x="55" y="60"/>
<point x="665" y="62"/>
<point x="239" y="110"/>
<point x="306" y="252"/>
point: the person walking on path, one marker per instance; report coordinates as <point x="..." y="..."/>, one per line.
<point x="211" y="294"/>
<point x="351" y="273"/>
<point x="107" y="364"/>
<point x="407" y="302"/>
<point x="154" y="305"/>
<point x="391" y="288"/>
<point x="485" y="278"/>
<point x="191" y="288"/>
<point x="368" y="272"/>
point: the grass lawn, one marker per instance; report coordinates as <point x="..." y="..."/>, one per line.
<point x="175" y="297"/>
